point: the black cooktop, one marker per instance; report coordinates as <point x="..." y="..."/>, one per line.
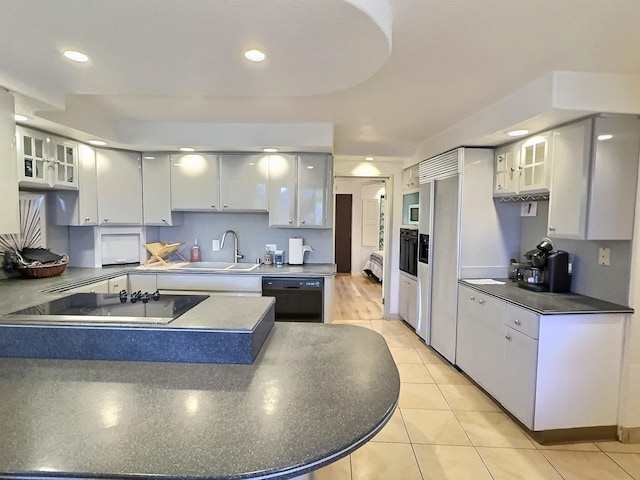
<point x="109" y="308"/>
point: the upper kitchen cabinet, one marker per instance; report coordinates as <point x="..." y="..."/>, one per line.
<point x="78" y="208"/>
<point x="119" y="178"/>
<point x="46" y="161"/>
<point x="195" y="182"/>
<point x="523" y="168"/>
<point x="593" y="186"/>
<point x="156" y="190"/>
<point x="300" y="191"/>
<point x="9" y="220"/>
<point x="244" y="180"/>
<point x="411" y="178"/>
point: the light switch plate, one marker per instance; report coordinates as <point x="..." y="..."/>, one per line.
<point x="215" y="245"/>
<point x="270" y="247"/>
<point x="604" y="256"/>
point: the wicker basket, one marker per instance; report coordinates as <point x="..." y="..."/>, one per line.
<point x="45" y="270"/>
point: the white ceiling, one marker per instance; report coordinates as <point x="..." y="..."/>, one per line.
<point x="392" y="79"/>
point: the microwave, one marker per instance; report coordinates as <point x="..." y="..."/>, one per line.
<point x="413" y="214"/>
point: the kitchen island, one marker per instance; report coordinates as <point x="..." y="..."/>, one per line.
<point x="314" y="394"/>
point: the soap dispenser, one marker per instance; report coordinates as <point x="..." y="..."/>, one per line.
<point x="195" y="251"/>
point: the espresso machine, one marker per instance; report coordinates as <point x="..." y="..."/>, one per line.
<point x="545" y="270"/>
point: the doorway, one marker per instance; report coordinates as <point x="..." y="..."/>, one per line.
<point x="344" y="216"/>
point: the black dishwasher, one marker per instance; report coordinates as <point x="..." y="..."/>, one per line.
<point x="297" y="299"/>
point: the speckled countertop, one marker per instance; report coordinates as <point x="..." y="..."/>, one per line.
<point x="16" y="293"/>
<point x="315" y="393"/>
<point x="306" y="270"/>
<point x="546" y="303"/>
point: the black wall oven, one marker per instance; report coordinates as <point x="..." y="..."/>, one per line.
<point x="409" y="250"/>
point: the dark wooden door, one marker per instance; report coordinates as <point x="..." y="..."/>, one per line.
<point x="343" y="232"/>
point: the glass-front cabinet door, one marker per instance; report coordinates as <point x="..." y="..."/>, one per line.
<point x="33" y="150"/>
<point x="534" y="164"/>
<point x="65" y="163"/>
<point x="45" y="161"/>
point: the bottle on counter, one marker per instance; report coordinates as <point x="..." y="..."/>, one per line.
<point x="195" y="251"/>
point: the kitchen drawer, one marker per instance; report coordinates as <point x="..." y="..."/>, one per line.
<point x="525" y="321"/>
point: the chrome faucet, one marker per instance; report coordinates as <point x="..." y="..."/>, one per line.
<point x="236" y="254"/>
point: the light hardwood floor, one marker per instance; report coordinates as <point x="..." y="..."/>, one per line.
<point x="357" y="298"/>
<point x="447" y="429"/>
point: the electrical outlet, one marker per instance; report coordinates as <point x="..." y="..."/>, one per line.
<point x="270" y="247"/>
<point x="215" y="245"/>
<point x="604" y="256"/>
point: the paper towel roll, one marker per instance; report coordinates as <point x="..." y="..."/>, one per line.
<point x="296" y="251"/>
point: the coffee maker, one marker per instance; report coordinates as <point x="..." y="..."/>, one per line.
<point x="545" y="270"/>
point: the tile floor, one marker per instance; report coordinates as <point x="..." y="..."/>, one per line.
<point x="445" y="428"/>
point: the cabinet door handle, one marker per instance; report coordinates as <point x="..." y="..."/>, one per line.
<point x="552" y="229"/>
<point x="87" y="219"/>
<point x="481" y="302"/>
<point x="213" y="206"/>
<point x="290" y="222"/>
<point x="224" y="206"/>
<point x="301" y="221"/>
<point x="106" y="219"/>
<point x="517" y="322"/>
<point x="473" y="299"/>
<point x="508" y="337"/>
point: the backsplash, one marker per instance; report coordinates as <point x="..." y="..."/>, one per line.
<point x="253" y="233"/>
<point x="608" y="283"/>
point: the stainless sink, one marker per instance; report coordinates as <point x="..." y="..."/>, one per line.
<point x="219" y="266"/>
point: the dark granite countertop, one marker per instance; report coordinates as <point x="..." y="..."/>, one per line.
<point x="315" y="393"/>
<point x="546" y="303"/>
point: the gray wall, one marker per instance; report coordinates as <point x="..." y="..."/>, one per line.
<point x="253" y="232"/>
<point x="609" y="283"/>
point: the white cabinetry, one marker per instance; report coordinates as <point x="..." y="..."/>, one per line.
<point x="519" y="368"/>
<point x="593" y="186"/>
<point x="523" y="167"/>
<point x="98" y="287"/>
<point x="115" y="284"/>
<point x="9" y="220"/>
<point x="411" y="178"/>
<point x="408" y="299"/>
<point x="244" y="180"/>
<point x="156" y="190"/>
<point x="195" y="182"/>
<point x="81" y="207"/>
<point x="547" y="370"/>
<point x="479" y="339"/>
<point x="119" y="187"/>
<point x="46" y="161"/>
<point x="300" y="191"/>
<point x="142" y="282"/>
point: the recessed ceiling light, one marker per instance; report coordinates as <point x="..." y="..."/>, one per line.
<point x="369" y="159"/>
<point x="187" y="149"/>
<point x="254" y="55"/>
<point x="20" y="118"/>
<point x="76" y="56"/>
<point x="97" y="143"/>
<point x="310" y="167"/>
<point x="147" y="157"/>
<point x="606" y="136"/>
<point x="269" y="150"/>
<point x="517" y="133"/>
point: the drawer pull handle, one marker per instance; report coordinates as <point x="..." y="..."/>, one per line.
<point x="473" y="299"/>
<point x="481" y="302"/>
<point x="508" y="337"/>
<point x="517" y="322"/>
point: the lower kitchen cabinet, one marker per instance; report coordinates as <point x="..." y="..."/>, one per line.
<point x="479" y="337"/>
<point x="408" y="300"/>
<point x="551" y="372"/>
<point x="518" y="379"/>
